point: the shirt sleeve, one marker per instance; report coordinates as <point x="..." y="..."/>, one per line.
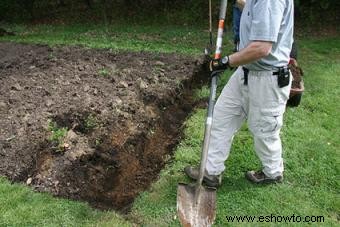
<point x="267" y="18"/>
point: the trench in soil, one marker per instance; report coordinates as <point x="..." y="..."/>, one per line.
<point x="109" y="169"/>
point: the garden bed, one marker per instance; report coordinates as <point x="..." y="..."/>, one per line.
<point x="91" y="125"/>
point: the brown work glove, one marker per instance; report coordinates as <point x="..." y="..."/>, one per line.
<point x="219" y="65"/>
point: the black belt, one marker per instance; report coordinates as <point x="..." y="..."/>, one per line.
<point x="280" y="71"/>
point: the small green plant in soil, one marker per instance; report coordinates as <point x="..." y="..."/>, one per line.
<point x="57" y="134"/>
<point x="103" y="72"/>
<point x="51" y="56"/>
<point x="98" y="142"/>
<point x="90" y="122"/>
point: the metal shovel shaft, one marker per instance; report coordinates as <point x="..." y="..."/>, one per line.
<point x="212" y="96"/>
<point x="196" y="205"/>
<point x="208" y="125"/>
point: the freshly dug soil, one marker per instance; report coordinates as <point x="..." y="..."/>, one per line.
<point x="91" y="125"/>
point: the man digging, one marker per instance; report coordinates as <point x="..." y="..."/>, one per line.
<point x="257" y="91"/>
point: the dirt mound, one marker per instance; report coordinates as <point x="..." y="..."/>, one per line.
<point x="91" y="125"/>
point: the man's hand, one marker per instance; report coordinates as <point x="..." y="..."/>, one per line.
<point x="219" y="65"/>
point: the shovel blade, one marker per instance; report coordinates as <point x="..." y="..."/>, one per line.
<point x="196" y="207"/>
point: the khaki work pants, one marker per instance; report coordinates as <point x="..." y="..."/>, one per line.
<point x="262" y="103"/>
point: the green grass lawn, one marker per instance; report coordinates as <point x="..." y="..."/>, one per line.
<point x="118" y="37"/>
<point x="311" y="139"/>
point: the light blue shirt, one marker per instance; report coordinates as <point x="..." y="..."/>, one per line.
<point x="268" y="20"/>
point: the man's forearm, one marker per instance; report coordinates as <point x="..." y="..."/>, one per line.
<point x="253" y="52"/>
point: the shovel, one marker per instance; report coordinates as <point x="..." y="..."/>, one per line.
<point x="196" y="205"/>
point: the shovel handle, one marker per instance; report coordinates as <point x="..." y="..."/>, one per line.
<point x="212" y="96"/>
